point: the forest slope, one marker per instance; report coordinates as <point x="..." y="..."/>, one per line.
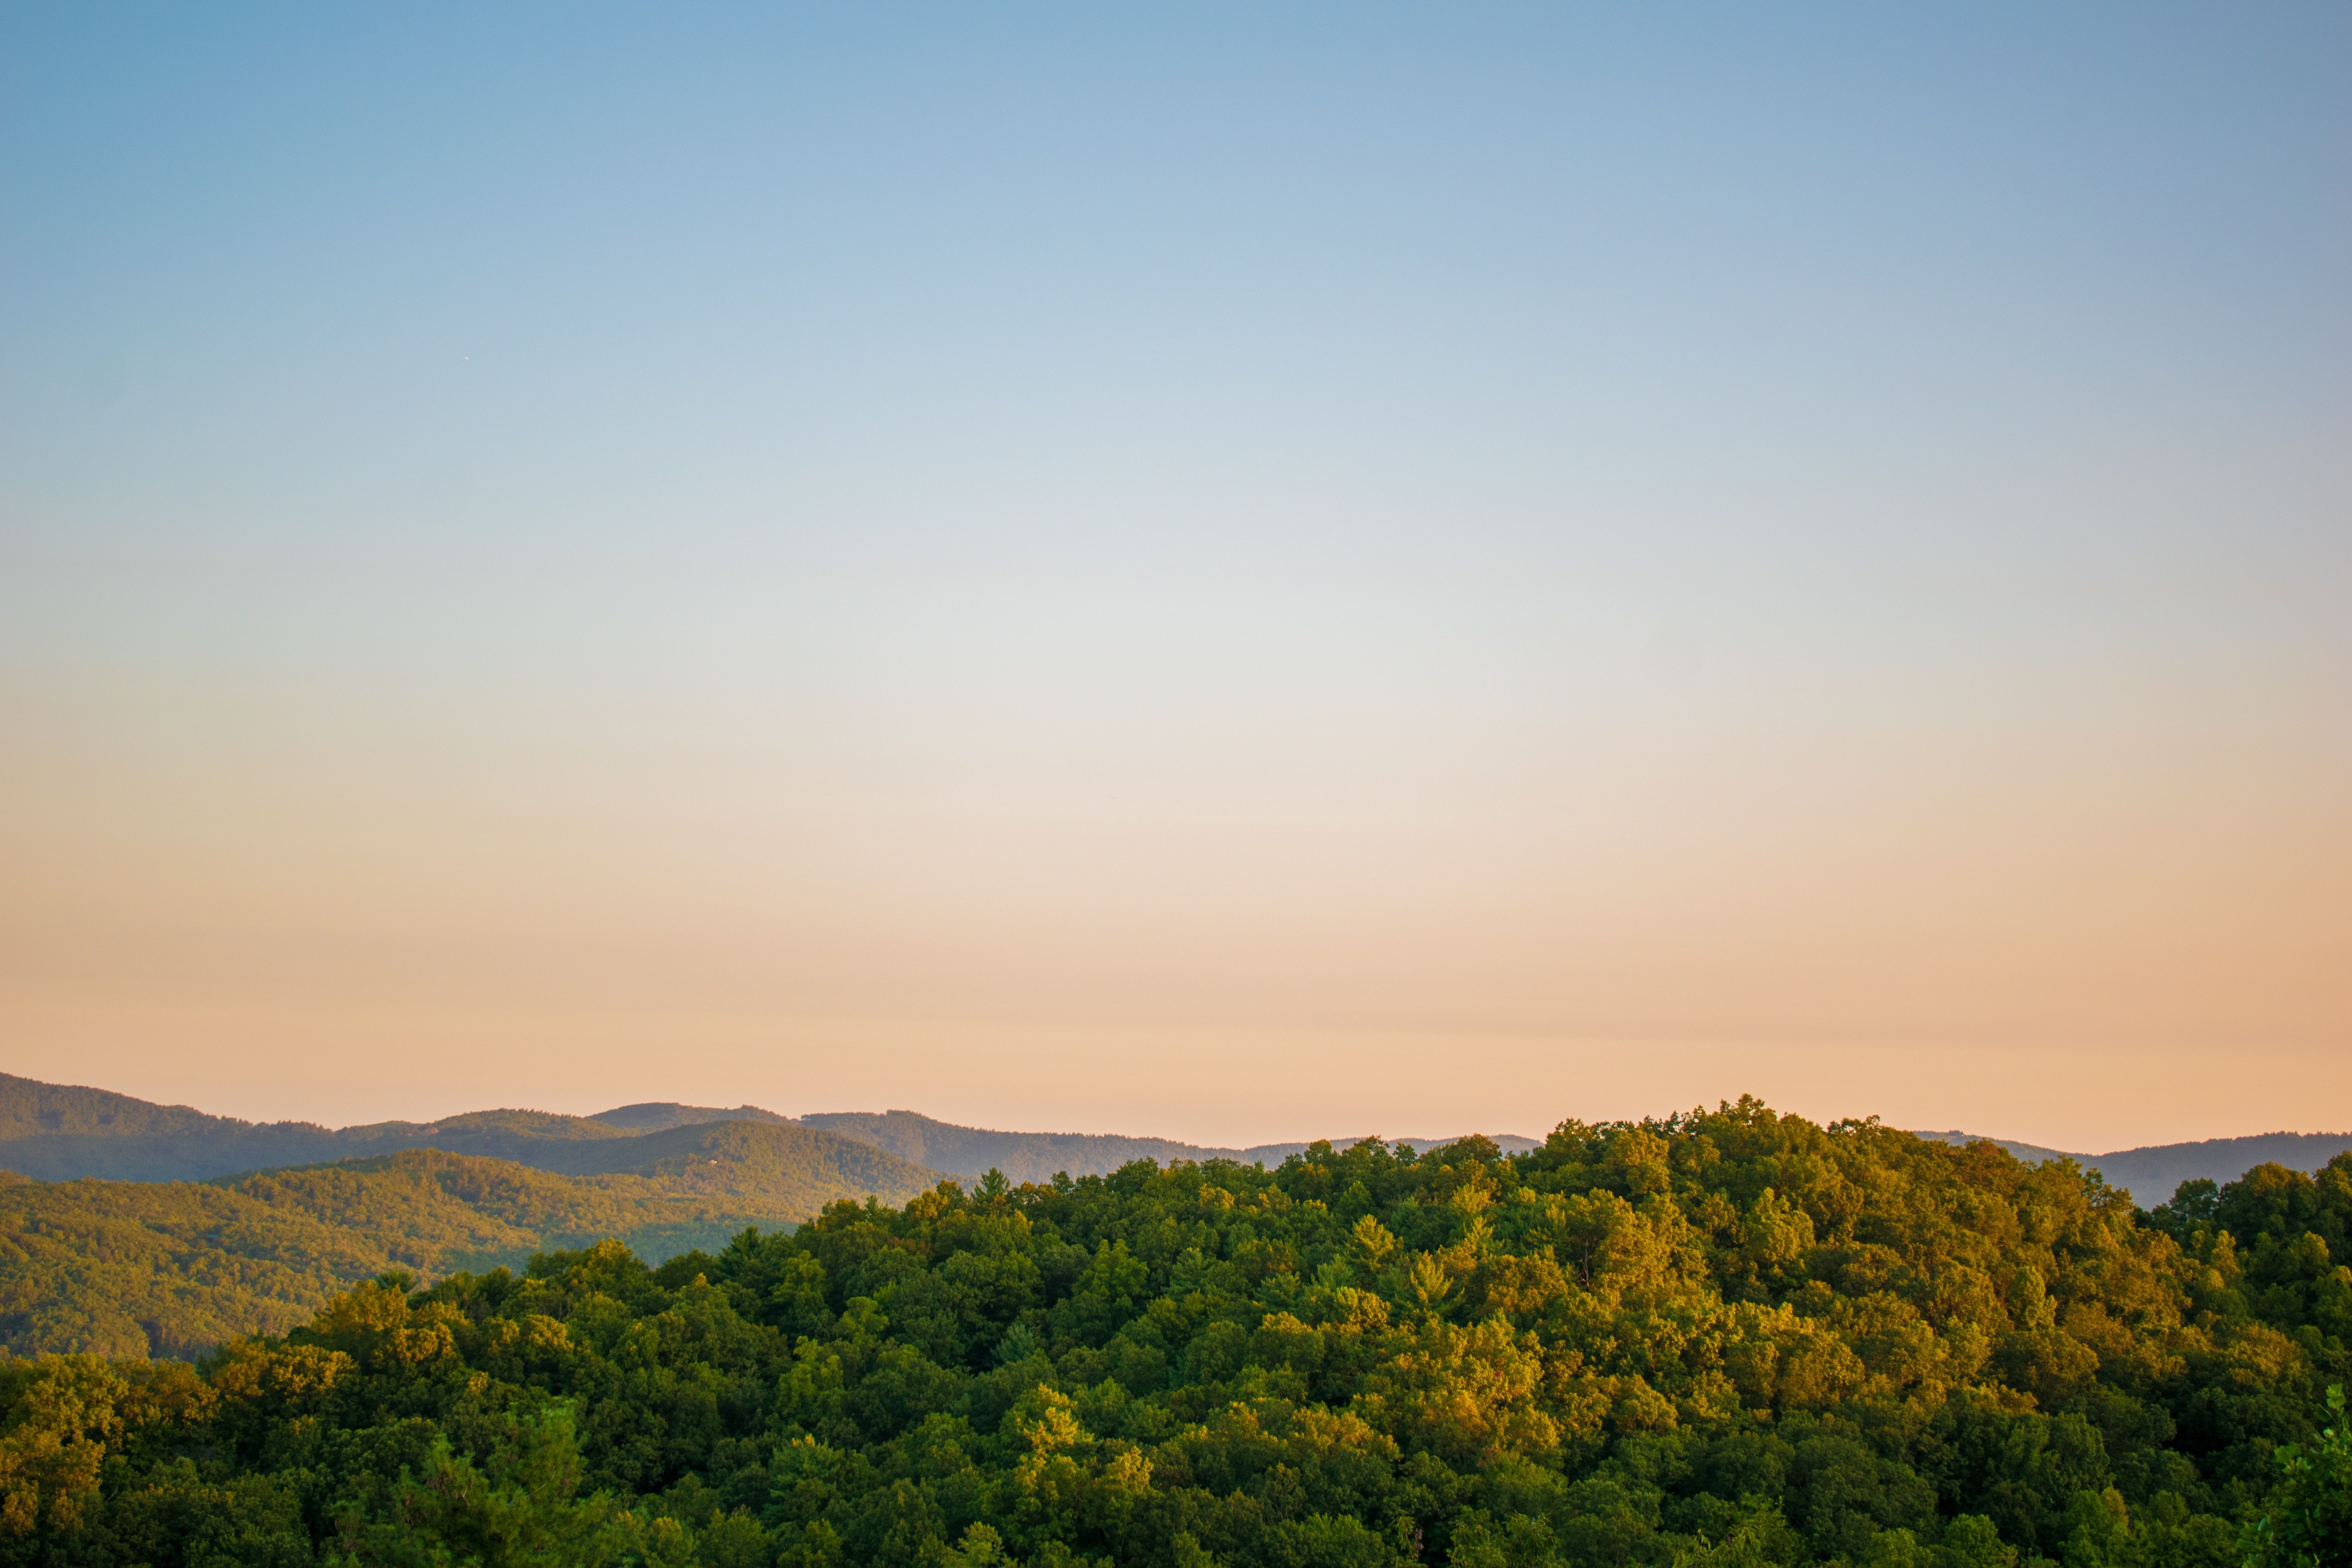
<point x="144" y="1267"/>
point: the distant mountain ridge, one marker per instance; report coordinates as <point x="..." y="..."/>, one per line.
<point x="30" y="1108"/>
<point x="660" y="1115"/>
<point x="1039" y="1156"/>
<point x="59" y="1133"/>
<point x="55" y="1132"/>
<point x="2152" y="1172"/>
<point x="787" y="1171"/>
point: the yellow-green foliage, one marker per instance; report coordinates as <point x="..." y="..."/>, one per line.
<point x="1722" y="1338"/>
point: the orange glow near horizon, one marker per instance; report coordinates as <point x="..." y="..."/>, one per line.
<point x="1204" y="926"/>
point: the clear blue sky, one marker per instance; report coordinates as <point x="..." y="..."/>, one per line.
<point x="1771" y="529"/>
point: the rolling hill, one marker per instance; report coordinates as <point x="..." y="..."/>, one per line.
<point x="169" y="1268"/>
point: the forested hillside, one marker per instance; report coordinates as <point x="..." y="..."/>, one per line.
<point x="131" y="1268"/>
<point x="1717" y="1339"/>
<point x="30" y="1108"/>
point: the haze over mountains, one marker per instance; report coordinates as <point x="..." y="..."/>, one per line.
<point x="61" y="1132"/>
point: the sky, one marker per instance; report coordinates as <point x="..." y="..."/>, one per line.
<point x="1230" y="572"/>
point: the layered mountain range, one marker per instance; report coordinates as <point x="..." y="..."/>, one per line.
<point x="59" y="1133"/>
<point x="130" y="1228"/>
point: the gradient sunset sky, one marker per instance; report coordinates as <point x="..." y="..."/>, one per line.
<point x="1233" y="572"/>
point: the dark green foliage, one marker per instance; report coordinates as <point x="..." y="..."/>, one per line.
<point x="1727" y="1338"/>
<point x="2308" y="1523"/>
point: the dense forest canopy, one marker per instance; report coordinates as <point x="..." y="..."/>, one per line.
<point x="1731" y="1337"/>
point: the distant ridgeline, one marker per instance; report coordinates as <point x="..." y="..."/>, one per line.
<point x="1038" y="1156"/>
<point x="57" y="1133"/>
